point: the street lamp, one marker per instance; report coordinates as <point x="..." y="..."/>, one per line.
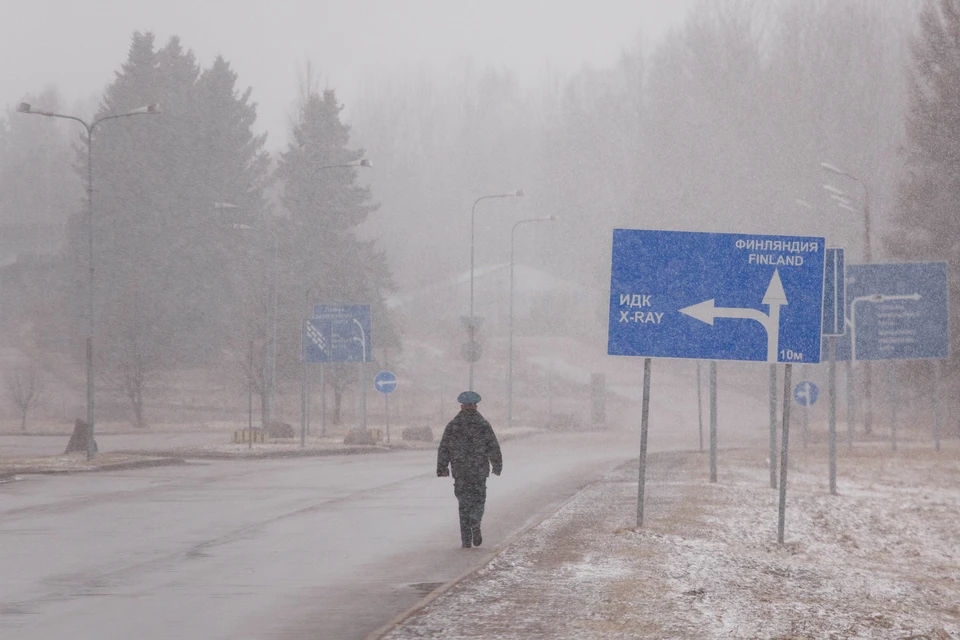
<point x="826" y="166"/>
<point x="151" y="109"/>
<point x="866" y="203"/>
<point x="359" y="163"/>
<point x="510" y="348"/>
<point x="272" y="375"/>
<point x="472" y="321"/>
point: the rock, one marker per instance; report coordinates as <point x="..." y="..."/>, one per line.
<point x="278" y="429"/>
<point x="78" y="440"/>
<point x="360" y="436"/>
<point x="423" y="434"/>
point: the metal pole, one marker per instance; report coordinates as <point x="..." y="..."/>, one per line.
<point x="867" y="373"/>
<point x="644" y="423"/>
<point x="90" y="295"/>
<point x="250" y="395"/>
<point x="784" y="441"/>
<point x="360" y="398"/>
<point x="386" y="411"/>
<point x="273" y="337"/>
<point x="851" y="403"/>
<point x="699" y="406"/>
<point x="510" y="341"/>
<point x="303" y="407"/>
<point x="894" y="402"/>
<point x="470" y="326"/>
<point x="323" y="405"/>
<point x="805" y="426"/>
<point x="773" y="425"/>
<point x="832" y="355"/>
<point x="936" y="405"/>
<point x="713" y="421"/>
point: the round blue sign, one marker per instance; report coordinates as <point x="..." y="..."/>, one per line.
<point x="805" y="393"/>
<point x="385" y="382"/>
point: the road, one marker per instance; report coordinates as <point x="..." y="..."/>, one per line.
<point x="327" y="547"/>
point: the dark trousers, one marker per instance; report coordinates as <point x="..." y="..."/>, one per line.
<point x="472" y="495"/>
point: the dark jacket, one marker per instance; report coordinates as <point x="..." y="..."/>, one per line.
<point x="469" y="446"/>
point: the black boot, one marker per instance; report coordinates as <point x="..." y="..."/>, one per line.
<point x="477" y="538"/>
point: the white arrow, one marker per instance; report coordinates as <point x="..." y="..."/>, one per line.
<point x="775" y="297"/>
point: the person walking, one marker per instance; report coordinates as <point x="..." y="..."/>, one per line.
<point x="469" y="448"/>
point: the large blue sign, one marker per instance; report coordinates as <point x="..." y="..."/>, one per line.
<point x="343" y="329"/>
<point x="715" y="296"/>
<point x="833" y="293"/>
<point x="896" y="311"/>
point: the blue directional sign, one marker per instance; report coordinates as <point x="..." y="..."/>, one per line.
<point x="350" y="331"/>
<point x="315" y="341"/>
<point x="715" y="296"/>
<point x="806" y="393"/>
<point x="896" y="311"/>
<point x="833" y="293"/>
<point x="385" y="382"/>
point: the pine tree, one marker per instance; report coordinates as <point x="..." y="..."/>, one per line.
<point x="929" y="191"/>
<point x="166" y="272"/>
<point x="326" y="208"/>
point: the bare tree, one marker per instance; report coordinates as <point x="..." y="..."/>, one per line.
<point x="24" y="386"/>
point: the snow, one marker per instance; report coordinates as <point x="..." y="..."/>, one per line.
<point x="880" y="559"/>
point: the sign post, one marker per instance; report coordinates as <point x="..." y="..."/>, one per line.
<point x="834" y="324"/>
<point x="713" y="296"/>
<point x="340" y="333"/>
<point x="386" y="383"/>
<point x="898" y="311"/>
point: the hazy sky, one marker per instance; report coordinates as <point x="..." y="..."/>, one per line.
<point x="79" y="44"/>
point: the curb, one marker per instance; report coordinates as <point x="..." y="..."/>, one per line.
<point x="263" y="455"/>
<point x="119" y="466"/>
<point x="400" y="618"/>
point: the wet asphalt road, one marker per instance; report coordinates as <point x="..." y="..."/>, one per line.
<point x="326" y="547"/>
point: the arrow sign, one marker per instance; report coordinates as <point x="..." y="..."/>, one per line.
<point x="669" y="288"/>
<point x="774" y="298"/>
<point x="385" y="382"/>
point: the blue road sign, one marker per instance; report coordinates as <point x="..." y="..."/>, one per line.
<point x="806" y="393"/>
<point x="350" y="331"/>
<point x="833" y="293"/>
<point x="715" y="296"/>
<point x="896" y="311"/>
<point x="315" y="341"/>
<point x="385" y="382"/>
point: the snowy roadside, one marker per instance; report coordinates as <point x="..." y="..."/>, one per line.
<point x="78" y="463"/>
<point x="879" y="560"/>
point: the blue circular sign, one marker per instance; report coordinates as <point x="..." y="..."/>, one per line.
<point x="806" y="393"/>
<point x="385" y="382"/>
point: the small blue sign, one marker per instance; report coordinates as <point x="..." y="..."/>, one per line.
<point x="806" y="393"/>
<point x="833" y="293"/>
<point x="896" y="311"/>
<point x="716" y="296"/>
<point x="385" y="382"/>
<point x="350" y="331"/>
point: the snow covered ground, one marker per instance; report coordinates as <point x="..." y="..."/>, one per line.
<point x="879" y="560"/>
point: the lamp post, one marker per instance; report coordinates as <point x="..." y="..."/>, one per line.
<point x="510" y="342"/>
<point x="269" y="376"/>
<point x="304" y="395"/>
<point x="151" y="109"/>
<point x="868" y="259"/>
<point x="472" y="321"/>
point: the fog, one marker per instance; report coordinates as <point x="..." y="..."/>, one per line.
<point x="709" y="116"/>
<point x="220" y="219"/>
